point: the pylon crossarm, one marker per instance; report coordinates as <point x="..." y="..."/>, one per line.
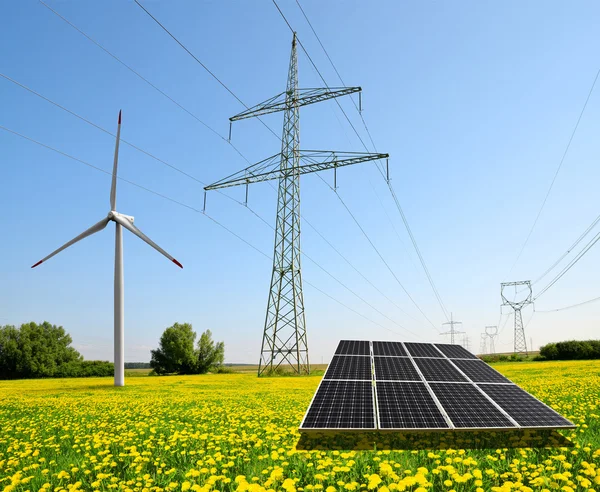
<point x="304" y="97"/>
<point x="310" y="161"/>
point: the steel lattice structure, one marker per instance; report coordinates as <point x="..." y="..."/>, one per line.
<point x="520" y="346"/>
<point x="452" y="331"/>
<point x="284" y="337"/>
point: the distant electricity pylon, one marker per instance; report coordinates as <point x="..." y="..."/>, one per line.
<point x="452" y="331"/>
<point x="520" y="346"/>
<point x="483" y="344"/>
<point x="491" y="332"/>
<point x="284" y="337"/>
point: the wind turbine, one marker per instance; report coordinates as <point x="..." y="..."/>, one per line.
<point x="120" y="221"/>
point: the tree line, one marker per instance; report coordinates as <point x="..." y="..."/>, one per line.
<point x="44" y="351"/>
<point x="571" y="350"/>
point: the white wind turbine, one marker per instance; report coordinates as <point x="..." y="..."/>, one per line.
<point x="125" y="221"/>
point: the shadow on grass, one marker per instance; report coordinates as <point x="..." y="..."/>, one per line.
<point x="348" y="440"/>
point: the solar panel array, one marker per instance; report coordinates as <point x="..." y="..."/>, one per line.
<point x="420" y="386"/>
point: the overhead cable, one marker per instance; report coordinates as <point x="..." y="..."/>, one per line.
<point x="537" y="217"/>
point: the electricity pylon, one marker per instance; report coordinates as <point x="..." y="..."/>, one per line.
<point x="491" y="332"/>
<point x="483" y="344"/>
<point x="520" y="346"/>
<point x="452" y="331"/>
<point x="284" y="337"/>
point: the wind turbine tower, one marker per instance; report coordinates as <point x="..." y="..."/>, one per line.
<point x="120" y="221"/>
<point x="284" y="336"/>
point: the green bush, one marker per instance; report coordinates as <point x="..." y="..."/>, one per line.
<point x="571" y="350"/>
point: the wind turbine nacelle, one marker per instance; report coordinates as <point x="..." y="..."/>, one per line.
<point x="112" y="214"/>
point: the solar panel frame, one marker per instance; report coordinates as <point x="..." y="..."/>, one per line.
<point x="464" y="404"/>
<point x="340" y="383"/>
<point x="521" y="412"/>
<point x="356" y="367"/>
<point x="353" y="347"/>
<point x="389" y="349"/>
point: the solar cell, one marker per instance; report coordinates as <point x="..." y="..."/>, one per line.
<point x="455" y="351"/>
<point x="526" y="410"/>
<point x="341" y="405"/>
<point x="422" y="350"/>
<point x="467" y="407"/>
<point x="389" y="348"/>
<point x="479" y="372"/>
<point x="395" y="369"/>
<point x="349" y="367"/>
<point x="407" y="406"/>
<point x="439" y="370"/>
<point x="353" y="347"/>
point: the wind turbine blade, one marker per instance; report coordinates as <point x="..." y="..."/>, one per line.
<point x="129" y="226"/>
<point x="113" y="187"/>
<point x="92" y="230"/>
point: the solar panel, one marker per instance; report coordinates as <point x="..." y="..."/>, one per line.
<point x="395" y="369"/>
<point x="420" y="386"/>
<point x="439" y="370"/>
<point x="479" y="372"/>
<point x="341" y="405"/>
<point x="394" y="349"/>
<point x="407" y="406"/>
<point x="349" y="367"/>
<point x="467" y="407"/>
<point x="423" y="350"/>
<point x="353" y="347"/>
<point x="455" y="351"/>
<point x="526" y="410"/>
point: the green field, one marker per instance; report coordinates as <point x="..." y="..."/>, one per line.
<point x="239" y="432"/>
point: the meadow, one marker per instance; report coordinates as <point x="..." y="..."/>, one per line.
<point x="236" y="432"/>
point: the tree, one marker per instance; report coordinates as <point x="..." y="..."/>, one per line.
<point x="209" y="355"/>
<point x="176" y="350"/>
<point x="44" y="350"/>
<point x="176" y="353"/>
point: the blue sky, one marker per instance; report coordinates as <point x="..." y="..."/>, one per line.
<point x="474" y="101"/>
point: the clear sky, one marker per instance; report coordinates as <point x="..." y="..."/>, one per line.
<point x="475" y="102"/>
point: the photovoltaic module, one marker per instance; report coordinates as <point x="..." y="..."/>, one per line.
<point x="405" y="386"/>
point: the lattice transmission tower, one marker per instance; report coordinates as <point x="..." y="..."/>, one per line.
<point x="452" y="331"/>
<point x="492" y="332"/>
<point x="284" y="337"/>
<point x="520" y="346"/>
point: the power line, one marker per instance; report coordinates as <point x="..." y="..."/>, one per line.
<point x="189" y="207"/>
<point x="380" y="255"/>
<point x="135" y="72"/>
<point x="193" y="178"/>
<point x="199" y="181"/>
<point x="595" y="299"/>
<point x="239" y="100"/>
<point x="397" y="202"/>
<point x="579" y="239"/>
<point x="557" y="171"/>
<point x="201" y="64"/>
<point x="571" y="264"/>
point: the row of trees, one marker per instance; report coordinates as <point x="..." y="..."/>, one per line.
<point x="571" y="350"/>
<point x="44" y="351"/>
<point x="177" y="352"/>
